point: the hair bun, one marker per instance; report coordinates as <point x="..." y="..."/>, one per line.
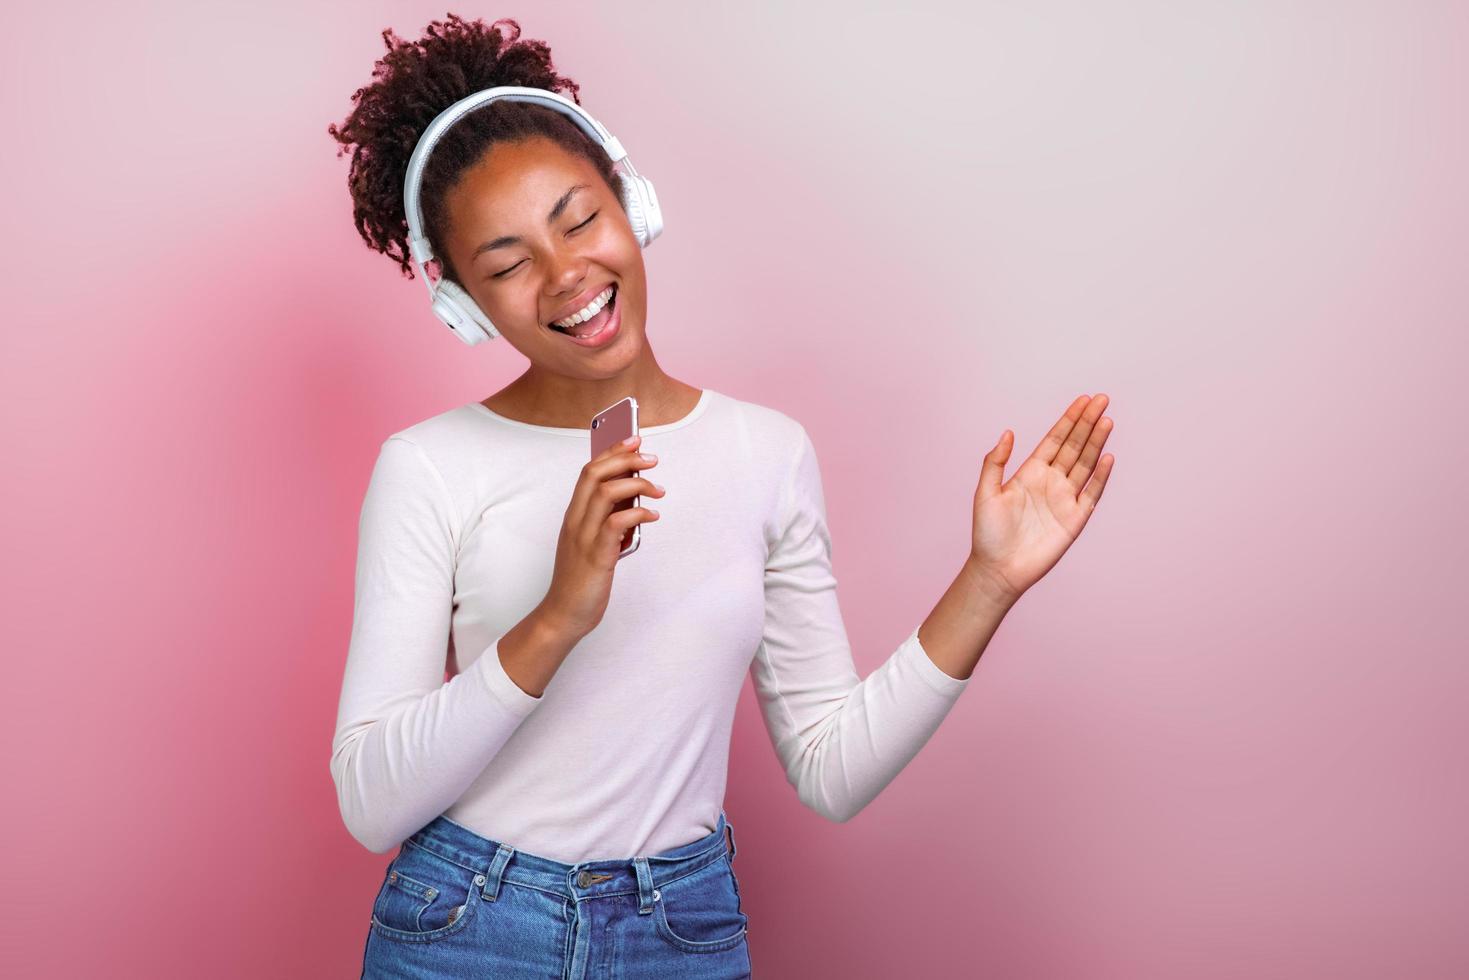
<point x="415" y="81"/>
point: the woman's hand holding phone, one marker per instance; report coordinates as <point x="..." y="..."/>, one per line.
<point x="591" y="536"/>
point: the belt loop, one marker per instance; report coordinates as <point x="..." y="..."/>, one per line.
<point x="729" y="832"/>
<point x="491" y="879"/>
<point x="645" y="885"/>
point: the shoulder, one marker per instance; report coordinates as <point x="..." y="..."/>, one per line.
<point x="445" y="431"/>
<point x="784" y="461"/>
<point x="453" y="435"/>
<point x="435" y="449"/>
<point x="771" y="433"/>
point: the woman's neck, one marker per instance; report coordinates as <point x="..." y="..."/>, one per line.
<point x="572" y="403"/>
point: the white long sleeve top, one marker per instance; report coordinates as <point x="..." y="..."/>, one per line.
<point x="626" y="751"/>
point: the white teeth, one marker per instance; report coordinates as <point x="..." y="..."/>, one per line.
<point x="590" y="311"/>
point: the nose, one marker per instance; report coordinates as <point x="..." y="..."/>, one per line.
<point x="568" y="271"/>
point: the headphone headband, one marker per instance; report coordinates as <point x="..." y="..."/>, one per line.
<point x="451" y="304"/>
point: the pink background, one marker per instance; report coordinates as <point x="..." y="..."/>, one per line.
<point x="1225" y="737"/>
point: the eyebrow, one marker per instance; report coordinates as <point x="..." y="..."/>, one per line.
<point x="507" y="240"/>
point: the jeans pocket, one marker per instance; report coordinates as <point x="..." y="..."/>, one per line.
<point x="700" y="912"/>
<point x="424" y="897"/>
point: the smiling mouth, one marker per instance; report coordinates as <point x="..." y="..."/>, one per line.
<point x="607" y="308"/>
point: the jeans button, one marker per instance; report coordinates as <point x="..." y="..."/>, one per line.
<point x="582" y="879"/>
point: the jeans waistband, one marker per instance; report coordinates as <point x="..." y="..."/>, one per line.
<point x="495" y="863"/>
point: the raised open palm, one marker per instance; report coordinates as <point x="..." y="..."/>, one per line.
<point x="1023" y="526"/>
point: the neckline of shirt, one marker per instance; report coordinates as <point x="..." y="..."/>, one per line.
<point x="699" y="407"/>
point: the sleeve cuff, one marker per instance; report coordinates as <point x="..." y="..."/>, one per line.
<point x="934" y="675"/>
<point x="505" y="690"/>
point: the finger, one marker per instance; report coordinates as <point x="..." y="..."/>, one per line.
<point x="624" y="519"/>
<point x="1082" y="468"/>
<point x="618" y="523"/>
<point x="1051" y="444"/>
<point x="1076" y="439"/>
<point x="1093" y="491"/>
<point x="630" y="460"/>
<point x="605" y="498"/>
<point x="600" y="469"/>
<point x="992" y="473"/>
<point x="622" y="459"/>
<point x="631" y="443"/>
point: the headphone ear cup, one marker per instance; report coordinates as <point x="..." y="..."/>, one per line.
<point x="461" y="314"/>
<point x="641" y="204"/>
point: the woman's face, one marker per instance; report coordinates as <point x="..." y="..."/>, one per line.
<point x="535" y="235"/>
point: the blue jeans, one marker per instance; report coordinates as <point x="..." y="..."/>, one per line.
<point x="455" y="904"/>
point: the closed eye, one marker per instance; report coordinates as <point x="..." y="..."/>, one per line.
<point x="505" y="272"/>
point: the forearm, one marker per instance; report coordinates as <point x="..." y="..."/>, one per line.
<point x="401" y="757"/>
<point x="959" y="628"/>
<point x="533" y="650"/>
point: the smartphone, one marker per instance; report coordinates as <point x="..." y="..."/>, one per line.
<point x="610" y="426"/>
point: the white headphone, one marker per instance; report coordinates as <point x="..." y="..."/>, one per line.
<point x="452" y="304"/>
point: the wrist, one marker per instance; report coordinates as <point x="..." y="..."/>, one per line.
<point x="989" y="584"/>
<point x="553" y="627"/>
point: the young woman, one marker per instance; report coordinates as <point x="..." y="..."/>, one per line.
<point x="558" y="802"/>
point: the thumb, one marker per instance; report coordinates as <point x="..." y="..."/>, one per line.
<point x="993" y="470"/>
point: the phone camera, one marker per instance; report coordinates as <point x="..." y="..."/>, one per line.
<point x="596" y="422"/>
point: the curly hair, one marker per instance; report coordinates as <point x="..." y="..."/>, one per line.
<point x="416" y="81"/>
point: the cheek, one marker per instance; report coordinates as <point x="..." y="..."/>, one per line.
<point x="517" y="300"/>
<point x="618" y="242"/>
<point x="511" y="308"/>
<point x="628" y="261"/>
